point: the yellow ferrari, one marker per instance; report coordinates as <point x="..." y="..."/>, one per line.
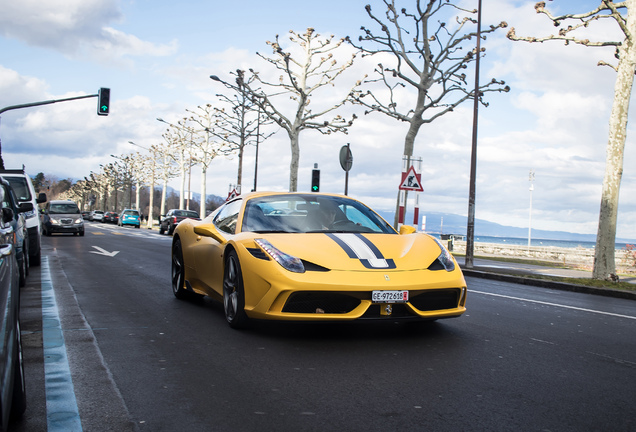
<point x="313" y="257"/>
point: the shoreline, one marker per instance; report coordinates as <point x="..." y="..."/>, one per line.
<point x="579" y="257"/>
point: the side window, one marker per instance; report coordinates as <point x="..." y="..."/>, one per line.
<point x="226" y="219"/>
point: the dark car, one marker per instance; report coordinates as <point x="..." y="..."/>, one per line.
<point x="111" y="217"/>
<point x="12" y="388"/>
<point x="173" y="217"/>
<point x="15" y="215"/>
<point x="62" y="217"/>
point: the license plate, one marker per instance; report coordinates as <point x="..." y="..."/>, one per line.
<point x="390" y="296"/>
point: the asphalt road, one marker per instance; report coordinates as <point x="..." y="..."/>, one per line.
<point x="521" y="358"/>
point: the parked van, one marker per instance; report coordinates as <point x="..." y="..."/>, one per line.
<point x="23" y="187"/>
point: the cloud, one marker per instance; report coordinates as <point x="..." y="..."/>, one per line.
<point x="75" y="28"/>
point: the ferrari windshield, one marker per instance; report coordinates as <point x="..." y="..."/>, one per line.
<point x="311" y="213"/>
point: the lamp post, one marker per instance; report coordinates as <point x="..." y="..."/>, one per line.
<point x="470" y="227"/>
<point x="531" y="179"/>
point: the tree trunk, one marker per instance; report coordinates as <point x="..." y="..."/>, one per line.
<point x="409" y="143"/>
<point x="204" y="175"/>
<point x="604" y="260"/>
<point x="163" y="197"/>
<point x="295" y="157"/>
<point x="150" y="220"/>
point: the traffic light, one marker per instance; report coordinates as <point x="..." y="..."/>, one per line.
<point x="103" y="101"/>
<point x="315" y="180"/>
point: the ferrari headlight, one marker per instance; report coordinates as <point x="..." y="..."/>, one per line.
<point x="288" y="262"/>
<point x="445" y="258"/>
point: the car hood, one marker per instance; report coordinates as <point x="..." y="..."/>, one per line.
<point x="356" y="251"/>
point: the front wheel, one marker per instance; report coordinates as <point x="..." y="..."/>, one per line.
<point x="178" y="271"/>
<point x="234" y="293"/>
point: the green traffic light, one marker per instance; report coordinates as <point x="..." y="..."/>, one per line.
<point x="103" y="102"/>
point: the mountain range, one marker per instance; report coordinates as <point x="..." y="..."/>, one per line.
<point x="447" y="223"/>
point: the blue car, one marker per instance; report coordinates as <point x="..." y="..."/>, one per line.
<point x="129" y="217"/>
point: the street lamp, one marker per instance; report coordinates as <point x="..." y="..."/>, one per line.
<point x="531" y="179"/>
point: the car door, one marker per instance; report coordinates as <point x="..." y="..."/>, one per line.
<point x="209" y="253"/>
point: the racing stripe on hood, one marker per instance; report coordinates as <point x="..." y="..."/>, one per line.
<point x="359" y="247"/>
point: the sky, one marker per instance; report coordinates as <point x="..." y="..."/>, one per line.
<point x="156" y="57"/>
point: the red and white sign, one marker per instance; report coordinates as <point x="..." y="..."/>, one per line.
<point x="411" y="181"/>
<point x="233" y="194"/>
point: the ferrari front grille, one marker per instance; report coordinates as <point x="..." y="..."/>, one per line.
<point x="320" y="302"/>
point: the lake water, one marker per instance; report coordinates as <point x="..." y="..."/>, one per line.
<point x="541" y="242"/>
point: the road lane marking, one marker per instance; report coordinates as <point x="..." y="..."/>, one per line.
<point x="101" y="251"/>
<point x="62" y="414"/>
<point x="554" y="304"/>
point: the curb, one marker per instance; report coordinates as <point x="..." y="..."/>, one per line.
<point x="563" y="286"/>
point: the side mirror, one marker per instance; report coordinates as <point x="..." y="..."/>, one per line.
<point x="407" y="229"/>
<point x="41" y="198"/>
<point x="25" y="207"/>
<point x="208" y="230"/>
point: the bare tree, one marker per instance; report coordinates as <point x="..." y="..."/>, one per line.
<point x="428" y="56"/>
<point x="179" y="138"/>
<point x="206" y="145"/>
<point x="624" y="15"/>
<point x="300" y="78"/>
<point x="240" y="124"/>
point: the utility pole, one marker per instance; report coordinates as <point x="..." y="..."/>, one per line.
<point x="470" y="228"/>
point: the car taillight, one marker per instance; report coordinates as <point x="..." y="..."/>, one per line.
<point x="174" y="219"/>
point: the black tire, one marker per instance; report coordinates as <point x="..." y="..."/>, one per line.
<point x="161" y="230"/>
<point x="171" y="230"/>
<point x="27" y="258"/>
<point x="22" y="271"/>
<point x="36" y="259"/>
<point x="234" y="293"/>
<point x="81" y="233"/>
<point x="18" y="399"/>
<point x="178" y="271"/>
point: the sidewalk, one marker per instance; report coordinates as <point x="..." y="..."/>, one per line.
<point x="515" y="272"/>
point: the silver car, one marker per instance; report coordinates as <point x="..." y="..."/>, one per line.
<point x="62" y="217"/>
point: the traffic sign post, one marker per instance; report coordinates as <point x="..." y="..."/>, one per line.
<point x="411" y="181"/>
<point x="346" y="162"/>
